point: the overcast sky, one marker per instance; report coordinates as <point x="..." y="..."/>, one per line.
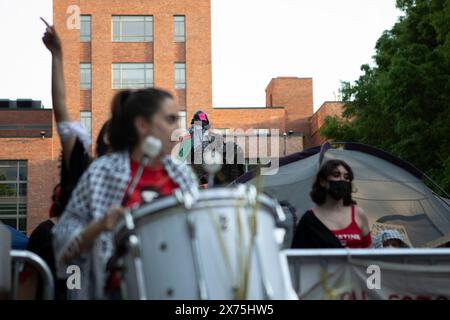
<point x="252" y="42"/>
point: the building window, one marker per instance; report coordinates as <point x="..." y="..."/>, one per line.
<point x="132" y="75"/>
<point x="85" y="29"/>
<point x="132" y="28"/>
<point x="179" y="28"/>
<point x="182" y="119"/>
<point x="180" y="76"/>
<point x="86" y="120"/>
<point x="13" y="194"/>
<point x="85" y="76"/>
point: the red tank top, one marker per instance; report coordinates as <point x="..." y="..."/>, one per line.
<point x="351" y="236"/>
<point x="153" y="183"/>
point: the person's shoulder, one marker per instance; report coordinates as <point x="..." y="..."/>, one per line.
<point x="360" y="212"/>
<point x="42" y="230"/>
<point x="44" y="226"/>
<point x="108" y="162"/>
<point x="307" y="216"/>
<point x="361" y="215"/>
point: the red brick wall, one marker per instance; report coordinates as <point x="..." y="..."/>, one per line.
<point x="328" y="108"/>
<point x="275" y="146"/>
<point x="294" y="144"/>
<point x="132" y="52"/>
<point x="85" y="100"/>
<point x="296" y="96"/>
<point x="180" y="52"/>
<point x="85" y="52"/>
<point x="261" y="118"/>
<point x="303" y="126"/>
<point x="180" y="98"/>
<point x="24" y="118"/>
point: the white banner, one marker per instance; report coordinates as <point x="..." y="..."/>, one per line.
<point x="350" y="278"/>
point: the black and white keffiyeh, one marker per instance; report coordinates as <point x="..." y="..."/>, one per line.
<point x="101" y="187"/>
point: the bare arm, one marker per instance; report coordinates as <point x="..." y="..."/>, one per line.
<point x="363" y="221"/>
<point x="53" y="44"/>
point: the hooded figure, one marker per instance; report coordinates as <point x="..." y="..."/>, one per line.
<point x="201" y="138"/>
<point x="199" y="130"/>
<point x="390" y="239"/>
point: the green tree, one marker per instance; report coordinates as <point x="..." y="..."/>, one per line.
<point x="402" y="103"/>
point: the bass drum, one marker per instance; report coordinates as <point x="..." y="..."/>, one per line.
<point x="223" y="247"/>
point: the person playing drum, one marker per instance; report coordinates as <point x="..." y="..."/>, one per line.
<point x="83" y="236"/>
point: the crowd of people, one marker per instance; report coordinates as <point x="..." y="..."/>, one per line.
<point x="95" y="188"/>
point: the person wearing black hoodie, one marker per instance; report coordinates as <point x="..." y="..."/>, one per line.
<point x="202" y="137"/>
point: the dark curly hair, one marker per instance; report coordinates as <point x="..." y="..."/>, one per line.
<point x="318" y="193"/>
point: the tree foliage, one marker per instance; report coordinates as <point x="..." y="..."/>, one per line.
<point x="401" y="104"/>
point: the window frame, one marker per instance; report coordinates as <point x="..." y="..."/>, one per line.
<point x="179" y="38"/>
<point x="85" y="38"/>
<point x="20" y="203"/>
<point x="86" y="85"/>
<point x="123" y="18"/>
<point x="179" y="85"/>
<point x="121" y="86"/>
<point x="84" y="116"/>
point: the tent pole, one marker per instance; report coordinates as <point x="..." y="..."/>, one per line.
<point x="438" y="186"/>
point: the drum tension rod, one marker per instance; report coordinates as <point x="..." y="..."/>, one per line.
<point x="134" y="245"/>
<point x="197" y="262"/>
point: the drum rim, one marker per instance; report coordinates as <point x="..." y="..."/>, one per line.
<point x="172" y="201"/>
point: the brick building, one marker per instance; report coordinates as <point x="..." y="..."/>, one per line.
<point x="28" y="166"/>
<point x="117" y="44"/>
<point x="132" y="44"/>
<point x="289" y="106"/>
<point x="328" y="108"/>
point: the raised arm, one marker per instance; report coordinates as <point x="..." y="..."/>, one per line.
<point x="53" y="44"/>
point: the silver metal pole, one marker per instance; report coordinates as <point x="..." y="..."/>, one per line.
<point x="19" y="257"/>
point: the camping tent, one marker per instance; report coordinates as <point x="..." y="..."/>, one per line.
<point x="390" y="190"/>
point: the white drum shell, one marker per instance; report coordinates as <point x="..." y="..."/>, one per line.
<point x="168" y="257"/>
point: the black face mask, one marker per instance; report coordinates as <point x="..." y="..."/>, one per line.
<point x="340" y="189"/>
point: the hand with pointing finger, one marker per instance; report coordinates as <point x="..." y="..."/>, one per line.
<point x="52" y="40"/>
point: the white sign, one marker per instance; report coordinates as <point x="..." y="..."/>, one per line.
<point x="323" y="277"/>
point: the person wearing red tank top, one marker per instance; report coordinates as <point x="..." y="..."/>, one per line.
<point x="336" y="221"/>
